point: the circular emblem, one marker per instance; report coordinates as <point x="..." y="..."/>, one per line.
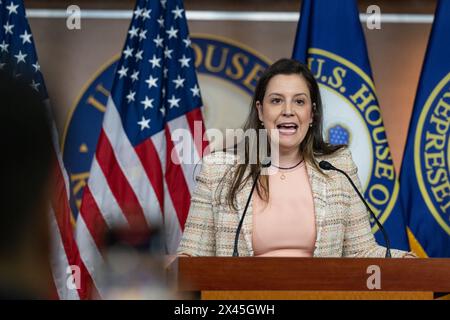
<point x="352" y="116"/>
<point x="227" y="73"/>
<point x="432" y="153"/>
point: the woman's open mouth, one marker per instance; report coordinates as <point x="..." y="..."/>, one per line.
<point x="287" y="128"/>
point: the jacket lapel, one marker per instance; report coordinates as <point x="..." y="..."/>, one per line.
<point x="318" y="184"/>
<point x="247" y="226"/>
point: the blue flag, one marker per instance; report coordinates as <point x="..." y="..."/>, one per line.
<point x="425" y="187"/>
<point x="330" y="40"/>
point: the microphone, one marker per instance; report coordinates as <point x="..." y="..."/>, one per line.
<point x="325" y="165"/>
<point x="264" y="164"/>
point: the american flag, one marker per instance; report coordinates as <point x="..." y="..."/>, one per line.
<point x="18" y="56"/>
<point x="135" y="177"/>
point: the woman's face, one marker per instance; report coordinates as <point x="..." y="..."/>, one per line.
<point x="287" y="107"/>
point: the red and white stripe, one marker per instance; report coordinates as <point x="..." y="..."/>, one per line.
<point x="64" y="250"/>
<point x="132" y="186"/>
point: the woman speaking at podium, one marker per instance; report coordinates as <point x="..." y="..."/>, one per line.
<point x="299" y="211"/>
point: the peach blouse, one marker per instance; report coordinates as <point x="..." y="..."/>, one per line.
<point x="285" y="226"/>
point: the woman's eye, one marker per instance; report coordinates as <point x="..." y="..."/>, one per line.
<point x="275" y="100"/>
<point x="301" y="102"/>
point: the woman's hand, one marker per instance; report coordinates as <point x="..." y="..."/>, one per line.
<point x="169" y="259"/>
<point x="410" y="255"/>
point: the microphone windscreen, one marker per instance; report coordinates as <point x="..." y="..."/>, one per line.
<point x="325" y="165"/>
<point x="265" y="163"/>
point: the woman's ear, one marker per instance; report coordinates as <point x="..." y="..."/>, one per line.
<point x="313" y="112"/>
<point x="259" y="108"/>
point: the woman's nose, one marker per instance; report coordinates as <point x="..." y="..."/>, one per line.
<point x="287" y="111"/>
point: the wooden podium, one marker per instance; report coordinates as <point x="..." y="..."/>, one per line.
<point x="312" y="278"/>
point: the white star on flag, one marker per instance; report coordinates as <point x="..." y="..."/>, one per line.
<point x="128" y="52"/>
<point x="20" y="57"/>
<point x="178" y="82"/>
<point x="187" y="42"/>
<point x="161" y="22"/>
<point x="138" y="55"/>
<point x="8" y="28"/>
<point x="142" y="35"/>
<point x="12" y="8"/>
<point x="195" y="91"/>
<point x="138" y="12"/>
<point x="148" y="103"/>
<point x="159" y="41"/>
<point x="177" y="13"/>
<point x="173" y="102"/>
<point x="36" y="67"/>
<point x="184" y="61"/>
<point x="155" y="62"/>
<point x="133" y="32"/>
<point x="144" y="123"/>
<point x="168" y="53"/>
<point x="4" y="46"/>
<point x="122" y="72"/>
<point x="130" y="96"/>
<point x="134" y="76"/>
<point x="26" y="37"/>
<point x="146" y="14"/>
<point x="152" y="82"/>
<point x="35" y="85"/>
<point x="172" y="32"/>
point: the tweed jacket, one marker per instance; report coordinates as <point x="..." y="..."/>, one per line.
<point x="342" y="221"/>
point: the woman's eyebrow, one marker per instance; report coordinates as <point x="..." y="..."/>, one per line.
<point x="279" y="94"/>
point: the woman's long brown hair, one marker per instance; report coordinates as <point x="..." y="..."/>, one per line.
<point x="312" y="145"/>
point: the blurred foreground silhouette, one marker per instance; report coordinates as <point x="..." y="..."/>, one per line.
<point x="25" y="170"/>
